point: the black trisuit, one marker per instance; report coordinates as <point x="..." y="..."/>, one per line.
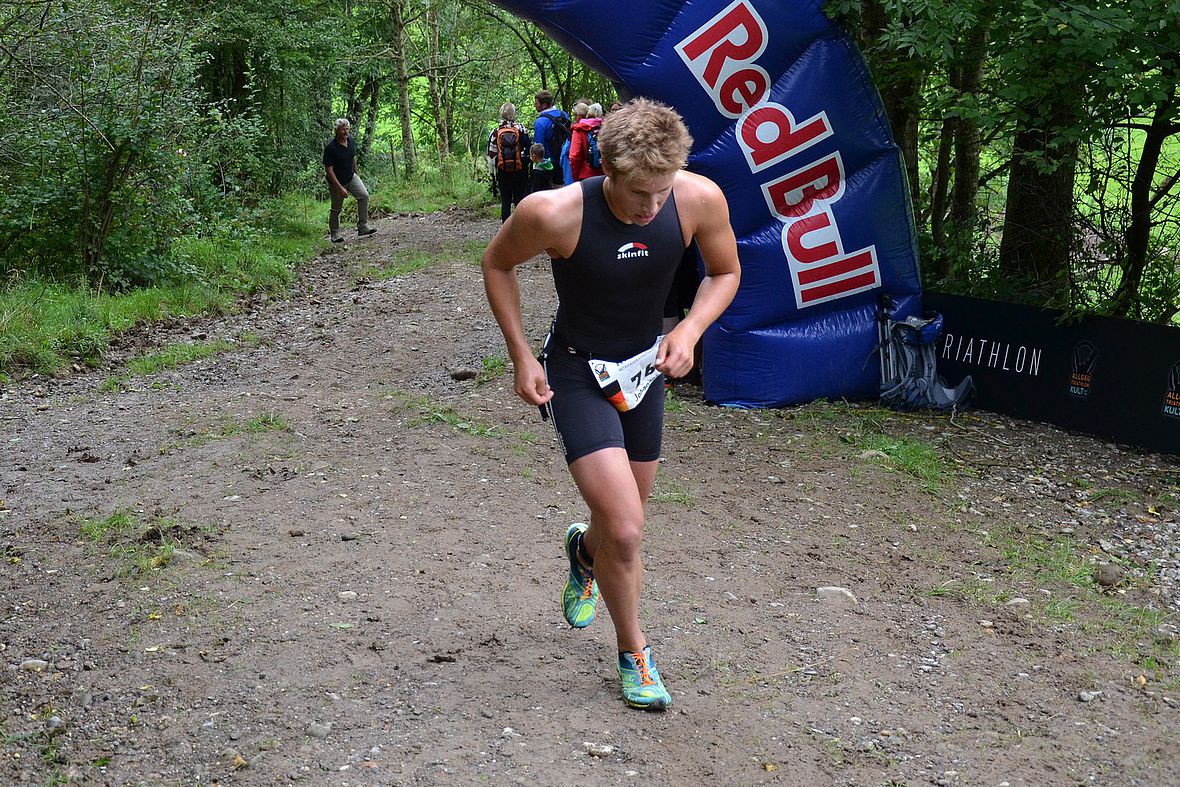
<point x="611" y="294"/>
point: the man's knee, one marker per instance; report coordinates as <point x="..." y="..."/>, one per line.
<point x="621" y="538"/>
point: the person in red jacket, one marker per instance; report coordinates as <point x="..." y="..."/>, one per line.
<point x="584" y="143"/>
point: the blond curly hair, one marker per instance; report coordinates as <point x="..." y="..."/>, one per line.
<point x="644" y="139"/>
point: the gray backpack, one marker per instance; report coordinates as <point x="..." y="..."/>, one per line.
<point x="909" y="369"/>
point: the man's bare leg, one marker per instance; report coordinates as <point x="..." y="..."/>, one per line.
<point x="616" y="490"/>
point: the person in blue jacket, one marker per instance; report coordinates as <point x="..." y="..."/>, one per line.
<point x="581" y="107"/>
<point x="551" y="128"/>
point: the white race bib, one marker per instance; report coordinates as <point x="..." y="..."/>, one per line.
<point x="625" y="383"/>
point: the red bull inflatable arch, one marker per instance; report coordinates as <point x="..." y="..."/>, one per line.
<point x="786" y="120"/>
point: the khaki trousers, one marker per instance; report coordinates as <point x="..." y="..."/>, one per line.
<point x="356" y="188"/>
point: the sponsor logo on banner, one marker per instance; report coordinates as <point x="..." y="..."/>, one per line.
<point x="1172" y="395"/>
<point x="1081" y="374"/>
<point x="722" y="55"/>
<point x="991" y="354"/>
<point x="631" y="250"/>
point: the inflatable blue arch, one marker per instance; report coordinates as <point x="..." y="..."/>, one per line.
<point x="786" y="120"/>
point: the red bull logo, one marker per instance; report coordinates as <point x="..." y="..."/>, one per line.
<point x="722" y="55"/>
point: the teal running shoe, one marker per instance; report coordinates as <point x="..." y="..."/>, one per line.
<point x="579" y="597"/>
<point x="642" y="686"/>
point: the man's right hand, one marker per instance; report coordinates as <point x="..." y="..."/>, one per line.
<point x="343" y="192"/>
<point x="530" y="382"/>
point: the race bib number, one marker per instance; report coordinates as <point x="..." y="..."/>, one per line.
<point x="625" y="383"/>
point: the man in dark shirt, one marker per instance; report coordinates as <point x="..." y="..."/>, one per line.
<point x="615" y="242"/>
<point x="340" y="165"/>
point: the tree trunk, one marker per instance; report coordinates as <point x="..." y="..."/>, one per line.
<point x="939" y="188"/>
<point x="899" y="79"/>
<point x="964" y="213"/>
<point x="374" y="89"/>
<point x="353" y="103"/>
<point x="98" y="209"/>
<point x="1138" y="234"/>
<point x="436" y="84"/>
<point x="1038" y="214"/>
<point x="398" y="45"/>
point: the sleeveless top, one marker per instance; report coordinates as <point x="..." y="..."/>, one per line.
<point x="611" y="290"/>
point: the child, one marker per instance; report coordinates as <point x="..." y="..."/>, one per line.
<point x="541" y="177"/>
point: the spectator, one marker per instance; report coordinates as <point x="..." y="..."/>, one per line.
<point x="580" y="109"/>
<point x="506" y="147"/>
<point x="551" y="128"/>
<point x="541" y="176"/>
<point x="340" y="167"/>
<point x="585" y="161"/>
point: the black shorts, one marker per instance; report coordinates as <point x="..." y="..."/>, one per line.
<point x="586" y="422"/>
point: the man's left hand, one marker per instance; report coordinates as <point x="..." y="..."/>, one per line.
<point x="676" y="353"/>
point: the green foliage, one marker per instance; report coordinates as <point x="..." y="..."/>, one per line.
<point x="1092" y="82"/>
<point x="45" y="325"/>
<point x="452" y="183"/>
<point x="98" y="112"/>
<point x="912" y="457"/>
<point x="175" y="355"/>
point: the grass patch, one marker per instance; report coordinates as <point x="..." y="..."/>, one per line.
<point x="1115" y="495"/>
<point x="673" y="403"/>
<point x="434" y="187"/>
<point x="171" y="357"/>
<point x="267" y="422"/>
<point x="135" y="546"/>
<point x="491" y="367"/>
<point x="820" y="411"/>
<point x="973" y="590"/>
<point x="525" y="440"/>
<point x="912" y="457"/>
<point x="406" y="261"/>
<point x="1059" y="559"/>
<point x="432" y="412"/>
<point x="174" y="355"/>
<point x="1063" y="567"/>
<point x="46" y="325"/>
<point x="669" y="490"/>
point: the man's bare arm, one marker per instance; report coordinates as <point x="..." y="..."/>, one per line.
<point x="332" y="179"/>
<point x="528" y="232"/>
<point x="708" y="213"/>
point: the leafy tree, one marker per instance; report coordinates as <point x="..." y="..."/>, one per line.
<point x="100" y="120"/>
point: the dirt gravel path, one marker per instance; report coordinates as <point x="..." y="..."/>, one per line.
<point x="317" y="558"/>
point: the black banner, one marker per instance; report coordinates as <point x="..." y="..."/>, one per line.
<point x="1113" y="378"/>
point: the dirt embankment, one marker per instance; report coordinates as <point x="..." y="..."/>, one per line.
<point x="320" y="559"/>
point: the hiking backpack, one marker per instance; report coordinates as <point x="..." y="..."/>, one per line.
<point x="593" y="156"/>
<point x="559" y="133"/>
<point x="508" y="157"/>
<point x="909" y="374"/>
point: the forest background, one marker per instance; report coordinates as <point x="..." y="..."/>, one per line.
<point x="161" y="159"/>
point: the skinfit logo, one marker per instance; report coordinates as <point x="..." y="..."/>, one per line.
<point x="632" y="250"/>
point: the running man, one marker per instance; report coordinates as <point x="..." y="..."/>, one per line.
<point x="615" y="243"/>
